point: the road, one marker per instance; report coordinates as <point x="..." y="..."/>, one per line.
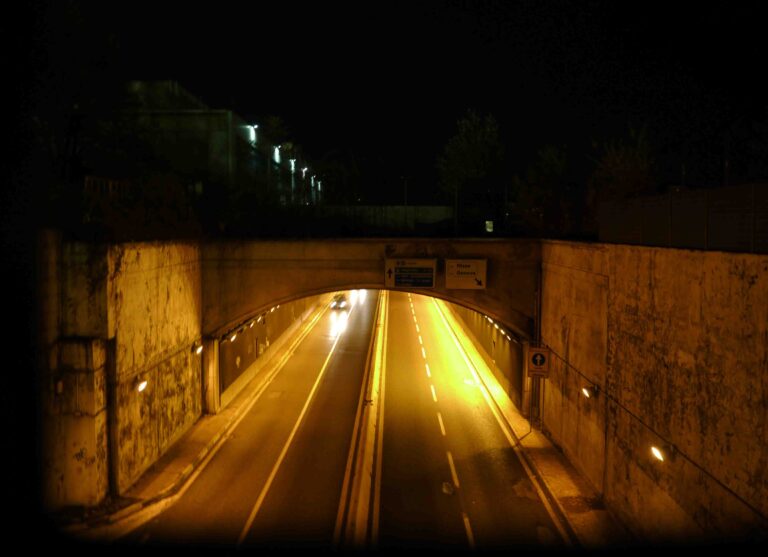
<point x="446" y="474"/>
<point x="277" y="480"/>
<point x="450" y="477"/>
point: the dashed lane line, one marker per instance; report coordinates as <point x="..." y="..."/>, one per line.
<point x="442" y="427"/>
<point x="453" y="469"/>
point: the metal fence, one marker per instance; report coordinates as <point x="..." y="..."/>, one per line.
<point x="733" y="218"/>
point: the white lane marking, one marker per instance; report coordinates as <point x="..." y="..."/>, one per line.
<point x="275" y="468"/>
<point x="506" y="430"/>
<point x="420" y="341"/>
<point x="453" y="469"/>
<point x="414" y="319"/>
<point x="423" y="353"/>
<point x="434" y="396"/>
<point x="468" y="528"/>
<point x="428" y="374"/>
<point x="417" y="328"/>
<point x="442" y="427"/>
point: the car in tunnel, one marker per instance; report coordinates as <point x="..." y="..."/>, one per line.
<point x="340" y="302"/>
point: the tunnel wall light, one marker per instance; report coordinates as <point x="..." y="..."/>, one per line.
<point x="590" y="391"/>
<point x="664" y="452"/>
<point x="197" y="347"/>
<point x="140" y="383"/>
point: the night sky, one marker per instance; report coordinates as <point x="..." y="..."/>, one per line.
<point x="385" y="82"/>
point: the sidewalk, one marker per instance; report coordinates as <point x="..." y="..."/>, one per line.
<point x="159" y="487"/>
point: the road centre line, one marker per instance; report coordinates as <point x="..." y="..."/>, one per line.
<point x="442" y="427"/>
<point x="428" y="373"/>
<point x="380" y="435"/>
<point x="423" y="353"/>
<point x="276" y="467"/>
<point x="420" y="341"/>
<point x="453" y="469"/>
<point x="347" y="490"/>
<point x="417" y="328"/>
<point x="434" y="395"/>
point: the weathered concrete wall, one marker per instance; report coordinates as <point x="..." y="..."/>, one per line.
<point x="678" y="342"/>
<point x="154" y="317"/>
<point x="72" y="309"/>
<point x="244" y="278"/>
<point x="111" y="315"/>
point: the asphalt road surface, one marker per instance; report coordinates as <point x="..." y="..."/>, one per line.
<point x="447" y="476"/>
<point x="277" y="480"/>
<point x="450" y="477"/>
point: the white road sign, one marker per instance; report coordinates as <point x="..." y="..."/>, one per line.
<point x="467" y="274"/>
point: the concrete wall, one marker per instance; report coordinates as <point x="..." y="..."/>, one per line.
<point x="243" y="279"/>
<point x="677" y="341"/>
<point x="111" y="315"/>
<point x="154" y="317"/>
<point x="72" y="313"/>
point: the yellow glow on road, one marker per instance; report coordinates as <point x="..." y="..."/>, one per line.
<point x="338" y="322"/>
<point x="445" y="359"/>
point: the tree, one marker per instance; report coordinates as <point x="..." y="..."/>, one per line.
<point x="541" y="197"/>
<point x="624" y="168"/>
<point x="471" y="167"/>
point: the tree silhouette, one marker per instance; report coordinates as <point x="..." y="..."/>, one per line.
<point x="471" y="168"/>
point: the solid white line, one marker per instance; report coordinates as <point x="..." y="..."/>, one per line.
<point x="434" y="396"/>
<point x="505" y="430"/>
<point x="275" y="468"/>
<point x="428" y="374"/>
<point x="442" y="427"/>
<point x="453" y="469"/>
<point x="468" y="529"/>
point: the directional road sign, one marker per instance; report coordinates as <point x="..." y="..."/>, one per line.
<point x="418" y="273"/>
<point x="467" y="274"/>
<point x="538" y="361"/>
